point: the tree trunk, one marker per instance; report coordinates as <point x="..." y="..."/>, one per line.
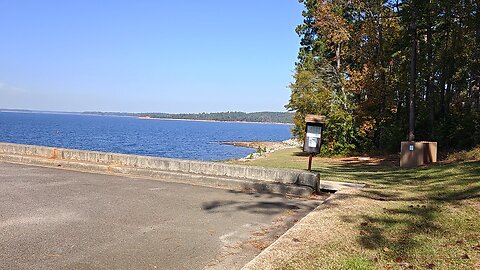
<point x="337" y="56"/>
<point x="413" y="80"/>
<point x="443" y="78"/>
<point x="448" y="96"/>
<point x="383" y="90"/>
<point x="381" y="62"/>
<point x="430" y="89"/>
<point x="476" y="65"/>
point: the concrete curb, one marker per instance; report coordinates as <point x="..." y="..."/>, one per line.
<point x="211" y="174"/>
<point x="338" y="186"/>
<point x="276" y="251"/>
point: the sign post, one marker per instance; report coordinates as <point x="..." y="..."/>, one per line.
<point x="310" y="157"/>
<point x="314" y="125"/>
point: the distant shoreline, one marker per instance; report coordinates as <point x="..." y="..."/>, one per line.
<point x="203" y="120"/>
<point x="139" y="117"/>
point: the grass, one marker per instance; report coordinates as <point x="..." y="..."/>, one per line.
<point x="423" y="218"/>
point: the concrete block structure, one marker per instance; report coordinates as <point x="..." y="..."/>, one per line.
<point x="414" y="154"/>
<point x="216" y="174"/>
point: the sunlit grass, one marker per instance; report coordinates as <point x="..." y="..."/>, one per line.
<point x="428" y="219"/>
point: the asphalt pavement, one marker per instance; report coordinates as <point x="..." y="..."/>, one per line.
<point x="59" y="219"/>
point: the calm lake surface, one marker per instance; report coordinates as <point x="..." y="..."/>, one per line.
<point x="162" y="138"/>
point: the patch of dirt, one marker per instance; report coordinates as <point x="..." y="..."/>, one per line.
<point x="389" y="160"/>
<point x="475" y="203"/>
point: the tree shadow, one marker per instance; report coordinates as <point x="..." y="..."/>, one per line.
<point x="420" y="194"/>
<point x="259" y="207"/>
<point x="265" y="203"/>
<point x="301" y="154"/>
<point x="411" y="222"/>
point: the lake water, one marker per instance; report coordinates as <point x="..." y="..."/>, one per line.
<point x="162" y="138"/>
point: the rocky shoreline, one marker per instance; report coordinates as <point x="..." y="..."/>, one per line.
<point x="264" y="148"/>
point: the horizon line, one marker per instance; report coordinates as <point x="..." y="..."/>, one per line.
<point x="125" y="112"/>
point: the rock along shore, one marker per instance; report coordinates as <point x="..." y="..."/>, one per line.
<point x="264" y="148"/>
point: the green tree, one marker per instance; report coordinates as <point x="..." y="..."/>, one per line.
<point x="379" y="68"/>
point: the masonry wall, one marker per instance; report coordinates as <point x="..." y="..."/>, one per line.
<point x="163" y="164"/>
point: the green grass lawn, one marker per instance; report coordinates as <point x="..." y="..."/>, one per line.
<point x="424" y="218"/>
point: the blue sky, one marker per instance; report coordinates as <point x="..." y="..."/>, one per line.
<point x="139" y="56"/>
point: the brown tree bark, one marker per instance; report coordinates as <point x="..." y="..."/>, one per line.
<point x="430" y="88"/>
<point x="476" y="65"/>
<point x="413" y="80"/>
<point x="337" y="56"/>
<point x="444" y="75"/>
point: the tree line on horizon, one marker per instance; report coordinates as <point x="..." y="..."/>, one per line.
<point x="264" y="117"/>
<point x="387" y="71"/>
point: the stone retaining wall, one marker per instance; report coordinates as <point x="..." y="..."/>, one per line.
<point x="295" y="177"/>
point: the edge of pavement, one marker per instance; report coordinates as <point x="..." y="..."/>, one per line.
<point x="317" y="228"/>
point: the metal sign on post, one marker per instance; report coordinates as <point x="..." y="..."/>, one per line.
<point x="314" y="125"/>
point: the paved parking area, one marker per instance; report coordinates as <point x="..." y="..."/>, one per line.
<point x="59" y="219"/>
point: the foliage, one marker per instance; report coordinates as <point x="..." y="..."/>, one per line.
<point x="372" y="56"/>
